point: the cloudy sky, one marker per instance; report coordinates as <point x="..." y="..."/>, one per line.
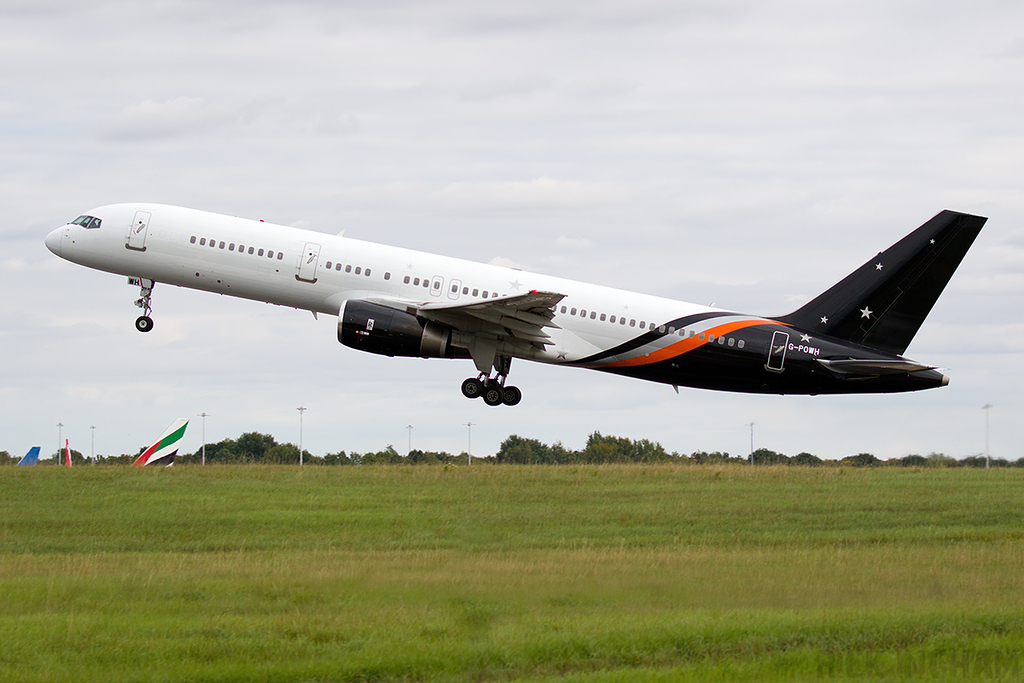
<point x="748" y="154"/>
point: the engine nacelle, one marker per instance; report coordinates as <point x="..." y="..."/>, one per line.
<point x="378" y="329"/>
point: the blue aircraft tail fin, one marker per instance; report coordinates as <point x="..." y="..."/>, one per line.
<point x="31" y="458"/>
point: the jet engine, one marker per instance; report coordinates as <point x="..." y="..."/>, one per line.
<point x="378" y="329"/>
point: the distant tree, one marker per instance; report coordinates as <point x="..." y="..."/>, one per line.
<point x="805" y="459"/>
<point x="521" y="451"/>
<point x="253" y="446"/>
<point x="282" y="454"/>
<point x="388" y="456"/>
<point x="861" y="460"/>
<point x="912" y="461"/>
<point x="339" y="458"/>
<point x="941" y="460"/>
<point x="705" y="458"/>
<point x="764" y="456"/>
<point x="8" y="459"/>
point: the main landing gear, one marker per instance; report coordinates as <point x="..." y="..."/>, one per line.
<point x="144" y="323"/>
<point x="493" y="389"/>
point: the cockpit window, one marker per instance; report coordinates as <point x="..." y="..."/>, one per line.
<point x="87" y="222"/>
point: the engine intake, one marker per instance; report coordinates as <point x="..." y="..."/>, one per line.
<point x="378" y="329"/>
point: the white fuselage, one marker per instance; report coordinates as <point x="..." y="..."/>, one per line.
<point x="319" y="272"/>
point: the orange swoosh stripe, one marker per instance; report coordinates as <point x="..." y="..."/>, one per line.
<point x="684" y="345"/>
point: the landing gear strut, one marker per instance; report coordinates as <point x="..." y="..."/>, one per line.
<point x="493" y="389"/>
<point x="144" y="323"/>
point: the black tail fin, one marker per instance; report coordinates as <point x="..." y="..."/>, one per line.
<point x="883" y="303"/>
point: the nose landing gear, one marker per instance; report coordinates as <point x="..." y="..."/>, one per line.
<point x="144" y="323"/>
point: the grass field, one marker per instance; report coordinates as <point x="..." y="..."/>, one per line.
<point x="603" y="573"/>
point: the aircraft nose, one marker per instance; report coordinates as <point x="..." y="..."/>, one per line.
<point x="53" y="241"/>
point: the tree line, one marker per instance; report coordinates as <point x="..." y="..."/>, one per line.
<point x="256" y="448"/>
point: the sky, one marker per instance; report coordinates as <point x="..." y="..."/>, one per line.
<point x="740" y="153"/>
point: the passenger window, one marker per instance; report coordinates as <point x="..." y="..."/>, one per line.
<point x="732" y="341"/>
<point x="367" y="272"/>
<point x="337" y="267"/>
<point x="465" y="290"/>
<point x="611" y="319"/>
<point x="700" y="336"/>
<point x="661" y="329"/>
<point x="721" y="340"/>
<point x="259" y="253"/>
<point x="740" y="344"/>
<point x="348" y="268"/>
<point x="280" y="256"/>
<point x="416" y="282"/>
<point x="359" y="270"/>
<point x="602" y="317"/>
<point x="476" y="292"/>
<point x="593" y="315"/>
<point x="252" y="249"/>
<point x="329" y="264"/>
<point x="270" y="254"/>
<point x="231" y="247"/>
<point x="622" y="321"/>
<point x="202" y="241"/>
<point x="642" y="324"/>
<point x="455" y="289"/>
<point x="437" y="284"/>
<point x="632" y="322"/>
<point x="485" y="293"/>
<point x="583" y="313"/>
<point x="387" y="276"/>
<point x="406" y="279"/>
<point x="193" y="240"/>
<point x="426" y="283"/>
<point x="221" y="245"/>
<point x="572" y="311"/>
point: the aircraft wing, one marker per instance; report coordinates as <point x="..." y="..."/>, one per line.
<point x="520" y="317"/>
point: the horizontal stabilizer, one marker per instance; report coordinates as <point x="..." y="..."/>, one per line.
<point x="873" y="367"/>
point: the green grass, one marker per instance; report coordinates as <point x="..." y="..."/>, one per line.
<point x="603" y="573"/>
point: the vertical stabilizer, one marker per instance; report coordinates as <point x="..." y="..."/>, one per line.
<point x="883" y="303"/>
<point x="67" y="452"/>
<point x="166" y="447"/>
<point x="31" y="458"/>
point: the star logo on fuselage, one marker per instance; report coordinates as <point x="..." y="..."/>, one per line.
<point x="824" y="320"/>
<point x="805" y="337"/>
<point x="515" y="285"/>
<point x="878" y="266"/>
<point x="866" y="312"/>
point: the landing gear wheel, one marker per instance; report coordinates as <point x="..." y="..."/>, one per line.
<point x="472" y="388"/>
<point x="144" y="323"/>
<point x="511" y="396"/>
<point x="493" y="394"/>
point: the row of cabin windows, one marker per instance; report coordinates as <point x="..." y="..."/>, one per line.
<point x="358" y="270"/>
<point x="643" y="324"/>
<point x="270" y="253"/>
<point x="436" y="286"/>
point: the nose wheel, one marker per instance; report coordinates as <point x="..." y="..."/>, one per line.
<point x="144" y="323"/>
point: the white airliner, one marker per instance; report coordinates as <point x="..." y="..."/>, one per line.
<point x="400" y="302"/>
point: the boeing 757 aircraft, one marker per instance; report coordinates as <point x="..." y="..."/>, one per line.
<point x="399" y="302"/>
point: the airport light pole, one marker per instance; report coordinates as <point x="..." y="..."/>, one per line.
<point x="409" y="427"/>
<point x="986" y="408"/>
<point x="469" y="444"/>
<point x="204" y="416"/>
<point x="301" y="410"/>
<point x="92" y="447"/>
<point x="751" y="425"/>
<point x="60" y="439"/>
